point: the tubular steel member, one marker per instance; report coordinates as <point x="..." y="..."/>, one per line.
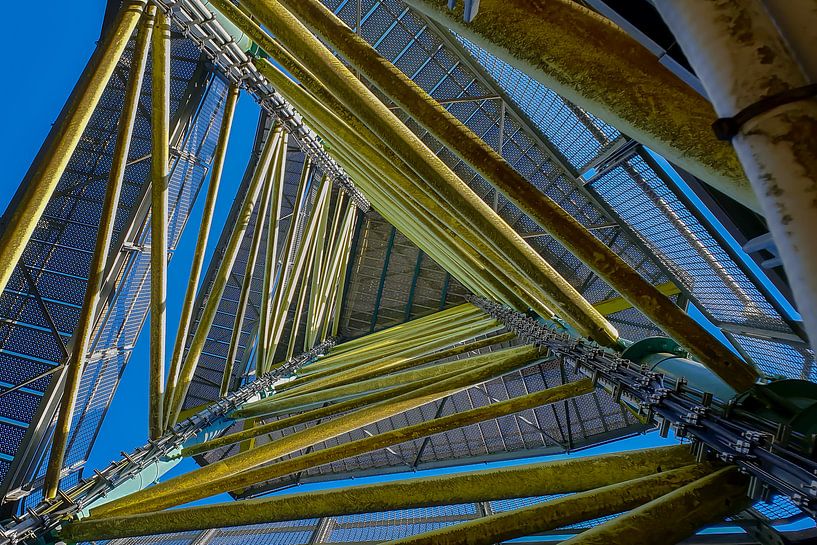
<point x="349" y="254"/>
<point x="52" y="159"/>
<point x="267" y="196"/>
<point x="559" y="477"/>
<point x="405" y="199"/>
<point x="198" y="23"/>
<point x="406" y="216"/>
<point x="776" y="456"/>
<point x="317" y="272"/>
<point x="559" y="512"/>
<point x="282" y="468"/>
<point x="375" y="387"/>
<point x="603" y="70"/>
<point x="289" y="249"/>
<point x="327" y="273"/>
<point x="85" y="326"/>
<point x="252" y="430"/>
<point x="285" y="287"/>
<point x="769" y="112"/>
<point x="411" y="358"/>
<point x="423" y="341"/>
<point x="547" y="213"/>
<point x="500" y="363"/>
<point x="439" y="180"/>
<point x="691" y="507"/>
<point x="268" y="283"/>
<point x="220" y="281"/>
<point x="160" y="177"/>
<point x="37" y="521"/>
<point x="219" y="155"/>
<point x="384" y="336"/>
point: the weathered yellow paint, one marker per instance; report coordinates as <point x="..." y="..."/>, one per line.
<point x="501" y="362"/>
<point x="563" y="476"/>
<point x="91" y="83"/>
<point x="437" y="180"/>
<point x="53" y="157"/>
<point x="689" y="508"/>
<point x="186" y="317"/>
<point x="603" y="70"/>
<point x="159" y="180"/>
<point x="208" y="314"/>
<point x="617" y="304"/>
<point x="485" y="160"/>
<point x="563" y="511"/>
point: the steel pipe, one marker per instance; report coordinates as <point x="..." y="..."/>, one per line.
<point x="741" y="59"/>
<point x="367" y="444"/>
<point x="563" y="511"/>
<point x="159" y="180"/>
<point x="601" y="69"/>
<point x="85" y="326"/>
<point x="208" y="313"/>
<point x="541" y="208"/>
<point x="574" y="475"/>
<point x="500" y="363"/>
<point x="219" y="155"/>
<point x="267" y="199"/>
<point x="442" y="182"/>
<point x="690" y="507"/>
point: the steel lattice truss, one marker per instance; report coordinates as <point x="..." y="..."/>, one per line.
<point x="612" y="185"/>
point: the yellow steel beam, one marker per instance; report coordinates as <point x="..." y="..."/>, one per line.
<point x="285" y="287"/>
<point x="501" y="362"/>
<point x="573" y="475"/>
<point x="221" y="278"/>
<point x="668" y="519"/>
<point x="438" y="180"/>
<point x="262" y="474"/>
<point x="566" y="510"/>
<point x="219" y="155"/>
<point x="541" y="208"/>
<point x="603" y="70"/>
<point x="617" y="304"/>
<point x="159" y="179"/>
<point x="276" y="174"/>
<point x="82" y="334"/>
<point x="249" y="270"/>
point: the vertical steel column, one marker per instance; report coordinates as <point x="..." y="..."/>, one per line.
<point x="159" y="174"/>
<point x="62" y="140"/>
<point x="249" y="270"/>
<point x="85" y="326"/>
<point x="559" y="477"/>
<point x="201" y="243"/>
<point x="208" y="314"/>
